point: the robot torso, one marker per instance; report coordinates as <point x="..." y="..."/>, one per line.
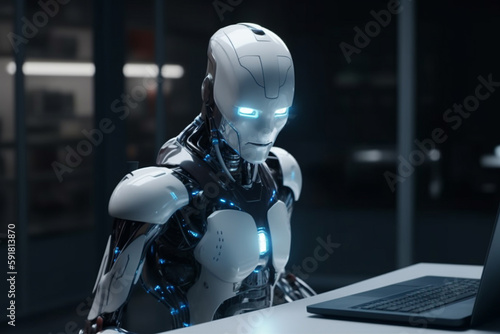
<point x="221" y="253"/>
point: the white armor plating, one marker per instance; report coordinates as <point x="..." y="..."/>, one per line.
<point x="230" y="251"/>
<point x="230" y="247"/>
<point x="292" y="176"/>
<point x="149" y="195"/>
<point x="279" y="225"/>
<point x="109" y="290"/>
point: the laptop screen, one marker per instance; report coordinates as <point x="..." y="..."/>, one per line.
<point x="487" y="303"/>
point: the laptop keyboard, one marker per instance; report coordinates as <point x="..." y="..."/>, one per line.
<point x="426" y="298"/>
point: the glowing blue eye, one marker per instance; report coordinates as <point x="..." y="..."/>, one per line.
<point x="248" y="112"/>
<point x="281" y="112"/>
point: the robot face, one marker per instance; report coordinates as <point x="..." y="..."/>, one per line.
<point x="253" y="88"/>
<point x="252" y="132"/>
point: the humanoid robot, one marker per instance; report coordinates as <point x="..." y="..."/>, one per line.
<point x="207" y="230"/>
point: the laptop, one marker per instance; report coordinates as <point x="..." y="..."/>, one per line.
<point x="428" y="301"/>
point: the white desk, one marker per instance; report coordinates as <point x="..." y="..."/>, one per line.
<point x="293" y="318"/>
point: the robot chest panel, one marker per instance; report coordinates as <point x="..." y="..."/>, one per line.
<point x="233" y="243"/>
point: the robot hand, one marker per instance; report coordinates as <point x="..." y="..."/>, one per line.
<point x="96" y="328"/>
<point x="290" y="287"/>
<point x="91" y="328"/>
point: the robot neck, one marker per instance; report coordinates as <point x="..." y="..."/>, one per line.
<point x="204" y="139"/>
<point x="243" y="172"/>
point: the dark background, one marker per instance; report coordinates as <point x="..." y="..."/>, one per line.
<point x="342" y="131"/>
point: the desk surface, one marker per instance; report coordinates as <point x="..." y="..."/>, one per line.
<point x="293" y="318"/>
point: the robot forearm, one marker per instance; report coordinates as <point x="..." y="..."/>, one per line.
<point x="120" y="269"/>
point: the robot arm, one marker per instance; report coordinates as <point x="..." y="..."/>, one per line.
<point x="141" y="203"/>
<point x="287" y="174"/>
<point x="120" y="270"/>
<point x="289" y="177"/>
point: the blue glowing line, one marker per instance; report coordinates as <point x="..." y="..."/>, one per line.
<point x="174" y="196"/>
<point x="273" y="195"/>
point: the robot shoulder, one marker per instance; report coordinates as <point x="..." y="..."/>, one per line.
<point x="149" y="195"/>
<point x="290" y="170"/>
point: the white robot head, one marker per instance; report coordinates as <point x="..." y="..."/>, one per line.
<point x="250" y="80"/>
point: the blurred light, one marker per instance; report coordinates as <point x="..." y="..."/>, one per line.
<point x="11" y="68"/>
<point x="490" y="161"/>
<point x="435" y="188"/>
<point x="497" y="151"/>
<point x="434" y="155"/>
<point x="140" y="70"/>
<point x="368" y="156"/>
<point x="38" y="68"/>
<point x="172" y="71"/>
